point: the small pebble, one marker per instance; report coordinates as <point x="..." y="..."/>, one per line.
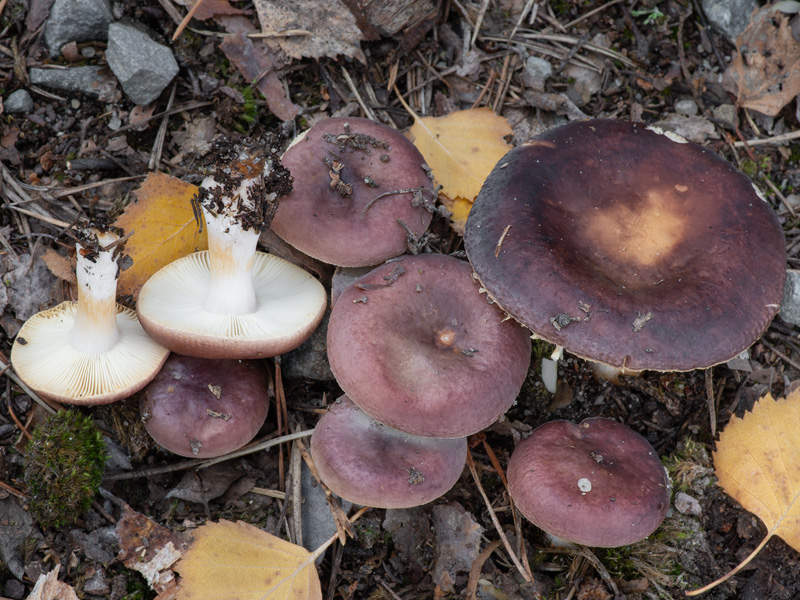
<point x="686" y="505"/>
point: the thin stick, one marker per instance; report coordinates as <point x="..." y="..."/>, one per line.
<point x="781" y="355"/>
<point x="186" y="20"/>
<point x="359" y="99"/>
<point x="712" y="409"/>
<point x="13" y="376"/>
<point x="475" y="569"/>
<point x="777" y="139"/>
<point x="730" y="574"/>
<point x="479" y="23"/>
<point x="525" y="574"/>
<point x="780" y="196"/>
<point x="590" y="13"/>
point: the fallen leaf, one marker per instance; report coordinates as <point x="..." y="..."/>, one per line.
<point x="322" y="28"/>
<point x="257" y="68"/>
<point x="211" y="8"/>
<point x="757" y="462"/>
<point x="461" y="148"/>
<point x="765" y="73"/>
<point x="163" y="226"/>
<point x="151" y="549"/>
<point x="60" y="266"/>
<point x="48" y="587"/>
<point x="238" y="561"/>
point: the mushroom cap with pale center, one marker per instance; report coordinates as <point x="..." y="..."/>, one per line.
<point x="289" y="305"/>
<point x="340" y="166"/>
<point x="372" y="464"/>
<point x="415" y="346"/>
<point x="45" y="360"/>
<point x="628" y="247"/>
<point x="597" y="483"/>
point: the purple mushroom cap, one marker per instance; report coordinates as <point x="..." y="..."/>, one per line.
<point x="204" y="408"/>
<point x="340" y="166"/>
<point x="597" y="483"/>
<point x="417" y="347"/>
<point x="369" y="463"/>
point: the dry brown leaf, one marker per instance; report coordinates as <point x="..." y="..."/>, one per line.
<point x="328" y="28"/>
<point x="163" y="229"/>
<point x="461" y="148"/>
<point x="238" y="561"/>
<point x="60" y="266"/>
<point x="48" y="587"/>
<point x="765" y="74"/>
<point x="151" y="549"/>
<point x="757" y="462"/>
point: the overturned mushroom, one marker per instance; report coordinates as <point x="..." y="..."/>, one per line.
<point x="93" y="351"/>
<point x="232" y="301"/>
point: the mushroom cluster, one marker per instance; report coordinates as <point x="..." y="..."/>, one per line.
<point x="429" y="362"/>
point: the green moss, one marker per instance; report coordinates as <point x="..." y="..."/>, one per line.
<point x="64" y="464"/>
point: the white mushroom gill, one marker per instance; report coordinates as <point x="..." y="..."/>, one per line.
<point x="92" y="351"/>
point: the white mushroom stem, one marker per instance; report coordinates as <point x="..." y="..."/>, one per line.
<point x="231" y="252"/>
<point x="95" y="330"/>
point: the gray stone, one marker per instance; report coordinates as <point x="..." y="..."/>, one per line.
<point x="537" y="70"/>
<point x="19" y="101"/>
<point x="86" y="80"/>
<point x="76" y="21"/>
<point x="310" y="359"/>
<point x="318" y="523"/>
<point x="98" y="585"/>
<point x="729" y="17"/>
<point x="726" y="113"/>
<point x="143" y="66"/>
<point x="687" y="505"/>
<point x="686" y="107"/>
<point x="790" y="305"/>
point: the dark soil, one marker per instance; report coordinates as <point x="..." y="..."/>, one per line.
<point x="66" y="144"/>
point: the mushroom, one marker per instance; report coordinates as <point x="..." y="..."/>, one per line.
<point x="597" y="483"/>
<point x="369" y="463"/>
<point x="203" y="408"/>
<point x="360" y="188"/>
<point x="93" y="351"/>
<point x="232" y="301"/>
<point x="628" y="246"/>
<point x="416" y="347"/>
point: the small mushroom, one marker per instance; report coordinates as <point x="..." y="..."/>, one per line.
<point x="415" y="346"/>
<point x="369" y="463"/>
<point x="93" y="351"/>
<point x="597" y="483"/>
<point x="232" y="301"/>
<point x="360" y="188"/>
<point x="628" y="246"/>
<point x="204" y="408"/>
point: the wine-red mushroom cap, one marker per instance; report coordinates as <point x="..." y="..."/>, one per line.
<point x="628" y="246"/>
<point x="204" y="408"/>
<point x="416" y="347"/>
<point x="346" y="205"/>
<point x="372" y="464"/>
<point x="597" y="483"/>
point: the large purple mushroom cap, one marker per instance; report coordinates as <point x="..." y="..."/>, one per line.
<point x="628" y="246"/>
<point x="372" y="464"/>
<point x="340" y="168"/>
<point x="204" y="408"/>
<point x="415" y="346"/>
<point x="597" y="483"/>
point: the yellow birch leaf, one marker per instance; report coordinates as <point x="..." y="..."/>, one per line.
<point x="163" y="229"/>
<point x="757" y="462"/>
<point x="237" y="561"/>
<point x="461" y="148"/>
